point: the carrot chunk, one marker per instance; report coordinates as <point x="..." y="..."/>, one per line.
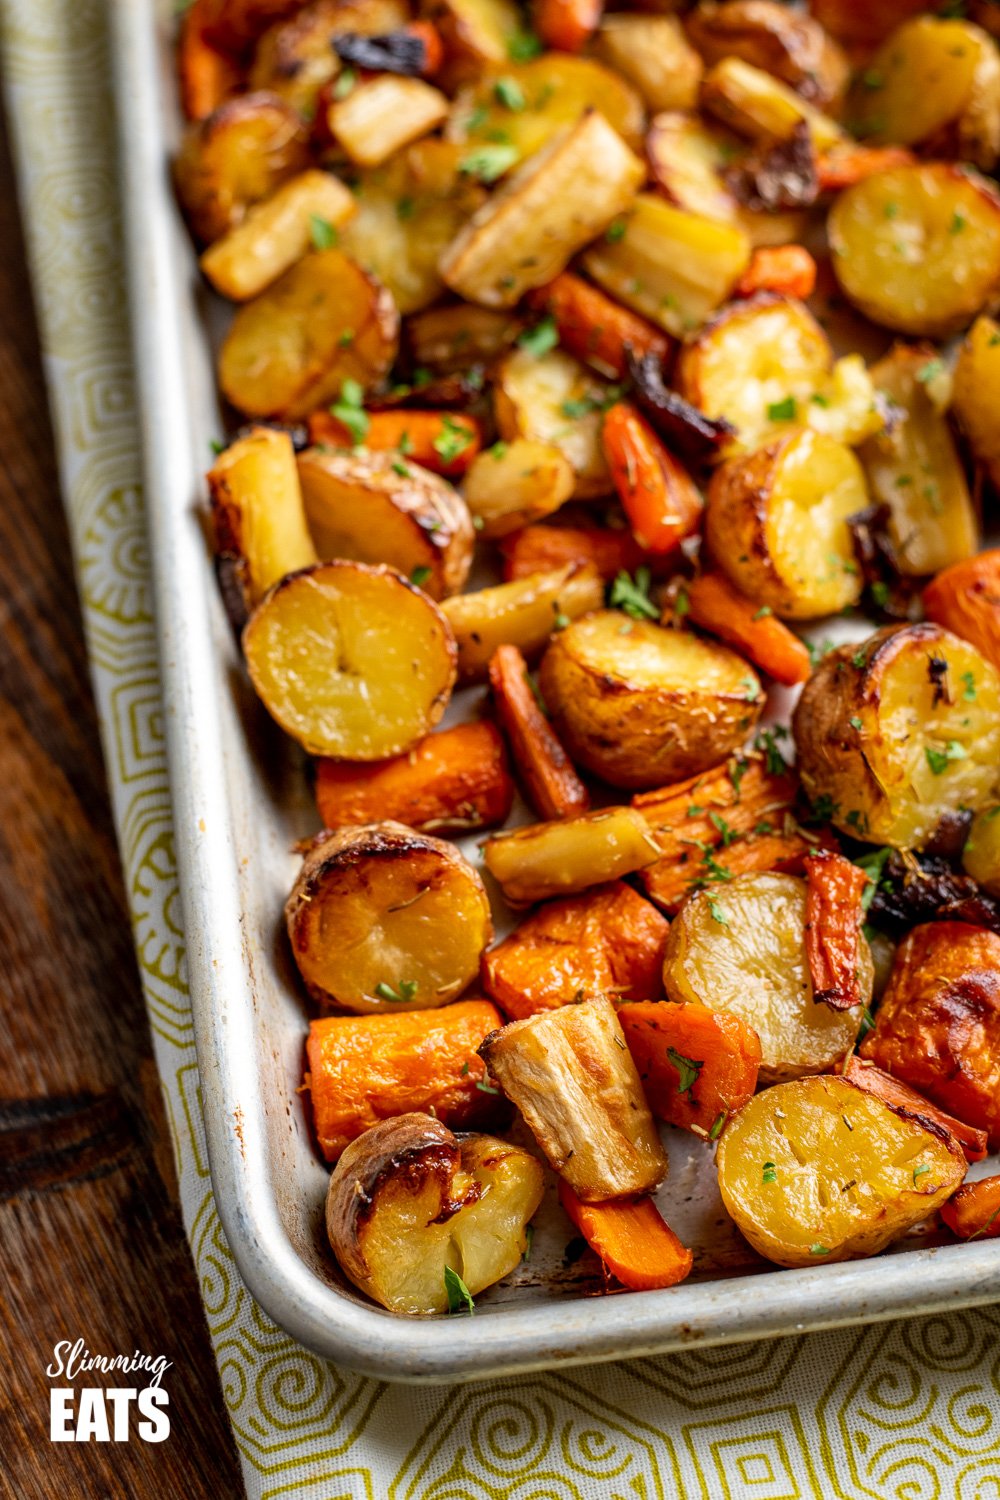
<point x="716" y="606"/>
<point x="567" y="25"/>
<point x="444" y="442"/>
<point x="834" y="887"/>
<point x="553" y="787"/>
<point x="788" y="269"/>
<point x="595" y="328"/>
<point x="965" y="599"/>
<point x="845" y="165"/>
<point x="697" y="1065"/>
<point x="974" y="1212"/>
<point x="635" y="1243"/>
<point x="657" y="493"/>
<point x="206" y="75"/>
<point x="899" y="1095"/>
<point x="539" y="549"/>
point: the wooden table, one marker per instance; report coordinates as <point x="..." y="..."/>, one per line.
<point x="91" y="1240"/>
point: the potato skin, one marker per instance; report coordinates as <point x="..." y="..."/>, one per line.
<point x="938" y="1026"/>
<point x="975" y="395"/>
<point x="235" y="157"/>
<point x="789" y="44"/>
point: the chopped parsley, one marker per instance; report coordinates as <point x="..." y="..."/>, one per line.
<point x="420" y="575"/>
<point x="458" y="1294"/>
<point x="498" y="450"/>
<point x="615" y="231"/>
<point x="938" y="760"/>
<point x="398" y="467"/>
<point x="763" y="612"/>
<point x="767" y="740"/>
<point x="782" y="411"/>
<point x="717" y="1125"/>
<point x="345" y="83"/>
<point x="958" y="223"/>
<point x="855" y="722"/>
<point x="919" y="1172"/>
<point x="873" y="865"/>
<point x="489" y="162"/>
<point x="452" y="441"/>
<point x="523" y="46"/>
<point x="969" y="693"/>
<point x="718" y="911"/>
<point x="688" y="1069"/>
<point x="402" y="995"/>
<point x="818" y="1249"/>
<point x="770" y="1172"/>
<point x="540" y="339"/>
<point x="405" y="209"/>
<point x="880" y="593"/>
<point x="350" y="410"/>
<point x="321" y="232"/>
<point x="216" y="446"/>
<point x="509" y="93"/>
<point x="486" y="1088"/>
<point x="930" y="371"/>
<point x="632" y="595"/>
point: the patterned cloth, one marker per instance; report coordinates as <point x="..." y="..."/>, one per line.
<point x="908" y="1411"/>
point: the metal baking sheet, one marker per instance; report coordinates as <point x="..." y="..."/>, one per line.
<point x="240" y="799"/>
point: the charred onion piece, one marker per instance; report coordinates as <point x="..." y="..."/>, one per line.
<point x="696" y="437"/>
<point x="924" y="888"/>
<point x="778" y="174"/>
<point x="393" y="52"/>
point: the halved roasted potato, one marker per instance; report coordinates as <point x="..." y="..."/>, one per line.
<point x="560" y="858"/>
<point x="553" y="399"/>
<point x="384" y="114"/>
<point x="975" y="397"/>
<point x="351" y="660"/>
<point x="294" y="57"/>
<point x="776" y="524"/>
<point x="640" y="705"/>
<point x="655" y="56"/>
<point x="477" y="34"/>
<point x="898" y="733"/>
<point x="291" y="349"/>
<point x="790" y="45"/>
<point x="755" y="104"/>
<point x="235" y="157"/>
<point x="409" y="1208"/>
<point x="450" y="338"/>
<point x="523" y="613"/>
<point x="917" y="248"/>
<point x="818" y="1171"/>
<point x="513" y="484"/>
<point x="914" y="469"/>
<point x="740" y="946"/>
<point x="553" y="205"/>
<point x="383" y="918"/>
<point x="376" y="508"/>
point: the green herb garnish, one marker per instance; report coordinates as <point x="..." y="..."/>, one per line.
<point x="688" y="1069"/>
<point x="632" y="595"/>
<point x="458" y="1294"/>
<point x="402" y="996"/>
<point x="540" y="339"/>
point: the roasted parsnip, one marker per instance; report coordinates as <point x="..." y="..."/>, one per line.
<point x="558" y="859"/>
<point x="275" y="233"/>
<point x="523" y="614"/>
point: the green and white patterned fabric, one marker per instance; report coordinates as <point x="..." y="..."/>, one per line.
<point x="907" y="1411"/>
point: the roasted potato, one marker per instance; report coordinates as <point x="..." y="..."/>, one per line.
<point x="976" y="393"/>
<point x="655" y="56"/>
<point x="513" y="484"/>
<point x="917" y="248"/>
<point x="981" y="854"/>
<point x="913" y="469"/>
<point x="374" y="507"/>
<point x="864" y="22"/>
<point x="235" y="157"/>
<point x="383" y="919"/>
<point x="381" y="116"/>
<point x="965" y="599"/>
<point x="291" y="349"/>
<point x="740" y="946"/>
<point x="450" y="338"/>
<point x="790" y="45"/>
<point x="761" y="107"/>
<point x="671" y="266"/>
<point x="522" y="614"/>
<point x="553" y="399"/>
<point x="897" y="734"/>
<point x="776" y="524"/>
<point x="351" y="660"/>
<point x="938" y="1026"/>
<point x="569" y="855"/>
<point x="933" y="83"/>
<point x="257" y="518"/>
<point x="640" y="705"/>
<point x="410" y="1208"/>
<point x="553" y="205"/>
<point x="477" y="33"/>
<point x="294" y="58"/>
<point x="904" y="1100"/>
<point x="572" y="1077"/>
<point x="816" y="1171"/>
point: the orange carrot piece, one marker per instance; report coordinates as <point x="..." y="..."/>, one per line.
<point x="834" y="887"/>
<point x="595" y="328"/>
<point x="900" y="1096"/>
<point x="843" y="166"/>
<point x="206" y="75"/>
<point x="657" y="493"/>
<point x="697" y="1065"/>
<point x="788" y="269"/>
<point x="554" y="789"/>
<point x="445" y="442"/>
<point x="965" y="599"/>
<point x="974" y="1212"/>
<point x="607" y="941"/>
<point x="539" y="549"/>
<point x="717" y="606"/>
<point x="363" y="1069"/>
<point x="633" y="1240"/>
<point x="233" y="25"/>
<point x="452" y="781"/>
<point x="567" y="25"/>
<point x="433" y="45"/>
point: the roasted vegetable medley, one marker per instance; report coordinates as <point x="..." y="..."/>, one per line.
<point x="672" y="328"/>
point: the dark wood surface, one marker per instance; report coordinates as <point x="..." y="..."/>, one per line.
<point x="91" y="1240"/>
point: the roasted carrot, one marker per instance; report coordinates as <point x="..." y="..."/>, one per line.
<point x="843" y="166"/>
<point x="433" y="45"/>
<point x="595" y="328"/>
<point x="657" y="493"/>
<point x="965" y="599"/>
<point x="452" y="781"/>
<point x="974" y="1212"/>
<point x="567" y="25"/>
<point x="716" y="605"/>
<point x="233" y="25"/>
<point x="834" y="887"/>
<point x="698" y="1066"/>
<point x="788" y="269"/>
<point x="635" y="1243"/>
<point x="206" y="74"/>
<point x="445" y="442"/>
<point x="899" y="1095"/>
<point x="608" y="941"/>
<point x="539" y="549"/>
<point x="550" y="780"/>
<point x="362" y="1069"/>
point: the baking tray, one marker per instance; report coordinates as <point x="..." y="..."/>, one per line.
<point x="240" y="799"/>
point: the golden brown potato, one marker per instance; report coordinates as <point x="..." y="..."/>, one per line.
<point x="513" y="484"/>
<point x="477" y="34"/>
<point x="938" y="1026"/>
<point x="552" y="398"/>
<point x="818" y="1171"/>
<point x="786" y="43"/>
<point x="640" y="705"/>
<point x="933" y="83"/>
<point x="290" y="350"/>
<point x="761" y="107"/>
<point x="671" y="266"/>
<point x="410" y="1209"/>
<point x="740" y="946"/>
<point x="914" y="469"/>
<point x="522" y="613"/>
<point x="377" y="509"/>
<point x="981" y="854"/>
<point x="776" y="524"/>
<point x="294" y="58"/>
<point x="235" y="157"/>
<point x="975" y="398"/>
<point x="655" y="56"/>
<point x="917" y="248"/>
<point x="382" y="918"/>
<point x="275" y="234"/>
<point x="451" y="338"/>
<point x="570" y="855"/>
<point x="384" y="114"/>
<point x="553" y="205"/>
<point x="898" y="733"/>
<point x="351" y="660"/>
<point x="572" y="1077"/>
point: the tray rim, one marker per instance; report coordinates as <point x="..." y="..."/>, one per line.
<point x="507" y="1339"/>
